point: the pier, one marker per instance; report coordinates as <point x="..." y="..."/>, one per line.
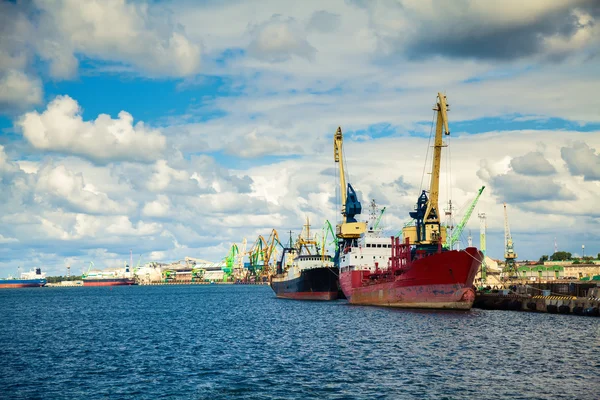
<point x="547" y="301"/>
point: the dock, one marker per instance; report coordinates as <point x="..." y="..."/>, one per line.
<point x="547" y="301"/>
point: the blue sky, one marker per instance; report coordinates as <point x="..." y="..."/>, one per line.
<point x="156" y="127"/>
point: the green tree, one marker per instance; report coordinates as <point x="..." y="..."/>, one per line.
<point x="561" y="256"/>
<point x="543" y="258"/>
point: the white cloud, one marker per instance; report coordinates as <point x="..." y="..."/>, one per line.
<point x="157" y="208"/>
<point x="18" y="90"/>
<point x="70" y="188"/>
<point x="532" y="163"/>
<point x="61" y="128"/>
<point x="582" y="160"/>
<point x="5" y="240"/>
<point x="134" y="33"/>
<point x="278" y="39"/>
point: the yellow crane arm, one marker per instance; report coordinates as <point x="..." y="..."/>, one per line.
<point x="338" y="157"/>
<point x="432" y="214"/>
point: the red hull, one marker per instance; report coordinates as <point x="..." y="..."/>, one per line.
<point x="442" y="281"/>
<point x="308" y="295"/>
<point x="20" y="285"/>
<point x="109" y="282"/>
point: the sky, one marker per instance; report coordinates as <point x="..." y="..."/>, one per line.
<point x="176" y="128"/>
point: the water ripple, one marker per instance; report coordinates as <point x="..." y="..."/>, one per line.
<point x="224" y="342"/>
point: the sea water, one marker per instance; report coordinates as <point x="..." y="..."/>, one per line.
<point x="240" y="342"/>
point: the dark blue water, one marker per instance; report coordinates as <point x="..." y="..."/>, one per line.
<point x="222" y="342"/>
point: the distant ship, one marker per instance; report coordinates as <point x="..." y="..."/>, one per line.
<point x="417" y="272"/>
<point x="108" y="277"/>
<point x="33" y="278"/>
<point x="311" y="275"/>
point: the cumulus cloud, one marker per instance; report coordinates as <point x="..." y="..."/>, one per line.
<point x="58" y="32"/>
<point x="278" y="39"/>
<point x="513" y="188"/>
<point x="532" y="163"/>
<point x="484" y="30"/>
<point x="582" y="160"/>
<point x="323" y="21"/>
<point x="18" y="88"/>
<point x="157" y="208"/>
<point x="166" y="178"/>
<point x="67" y="188"/>
<point x="61" y="128"/>
<point x="115" y="30"/>
<point x="253" y="145"/>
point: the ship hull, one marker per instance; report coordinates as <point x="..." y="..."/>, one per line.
<point x="108" y="282"/>
<point x="439" y="281"/>
<point x="309" y="284"/>
<point x="21" y="283"/>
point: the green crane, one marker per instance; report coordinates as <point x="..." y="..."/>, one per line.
<point x="457" y="232"/>
<point x="379" y="219"/>
<point x="229" y="262"/>
<point x="328" y="230"/>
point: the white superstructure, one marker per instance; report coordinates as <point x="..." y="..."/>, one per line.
<point x="371" y="251"/>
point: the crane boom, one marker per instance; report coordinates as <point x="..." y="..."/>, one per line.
<point x="431" y="214"/>
<point x="379" y="218"/>
<point x="350" y="228"/>
<point x="338" y="157"/>
<point x="427" y="230"/>
<point x="459" y="229"/>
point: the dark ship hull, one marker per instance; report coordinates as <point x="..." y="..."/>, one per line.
<point x="308" y="284"/>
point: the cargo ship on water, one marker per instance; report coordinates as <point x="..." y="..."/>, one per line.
<point x="108" y="277"/>
<point x="33" y="278"/>
<point x="311" y="274"/>
<point x="416" y="272"/>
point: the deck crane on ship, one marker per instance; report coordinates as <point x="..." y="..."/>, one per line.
<point x="420" y="272"/>
<point x="428" y="232"/>
<point x="349" y="229"/>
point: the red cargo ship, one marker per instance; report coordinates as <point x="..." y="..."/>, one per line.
<point x="413" y="278"/>
<point x="418" y="272"/>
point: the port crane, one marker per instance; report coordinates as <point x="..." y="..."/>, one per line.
<point x="349" y="229"/>
<point x="482" y="245"/>
<point x="427" y="230"/>
<point x="450" y="242"/>
<point x="261" y="253"/>
<point x="375" y="215"/>
<point x="328" y="231"/>
<point x="510" y="267"/>
<point x="230" y="260"/>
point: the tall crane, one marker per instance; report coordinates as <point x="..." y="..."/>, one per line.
<point x="458" y="231"/>
<point x="350" y="228"/>
<point x="427" y="230"/>
<point x="510" y="267"/>
<point x="482" y="229"/>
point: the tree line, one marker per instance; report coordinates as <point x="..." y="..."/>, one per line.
<point x="565" y="256"/>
